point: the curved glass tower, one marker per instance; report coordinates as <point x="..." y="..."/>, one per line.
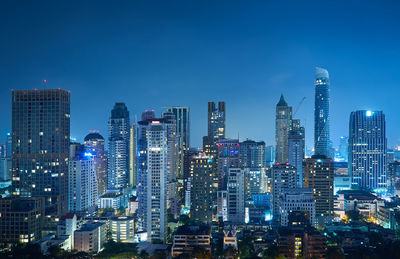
<point x="321" y="112"/>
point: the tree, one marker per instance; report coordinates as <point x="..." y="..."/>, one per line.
<point x="353" y="215"/>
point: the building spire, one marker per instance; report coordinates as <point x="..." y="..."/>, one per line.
<point x="282" y="101"/>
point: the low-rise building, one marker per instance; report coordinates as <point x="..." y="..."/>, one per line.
<point x="297" y="200"/>
<point x="90" y="237"/>
<point x="122" y="229"/>
<point x="21" y="220"/>
<point x="186" y="238"/>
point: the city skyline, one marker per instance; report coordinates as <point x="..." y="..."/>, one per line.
<point x="250" y="67"/>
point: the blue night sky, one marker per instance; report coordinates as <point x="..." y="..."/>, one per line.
<point x="153" y="54"/>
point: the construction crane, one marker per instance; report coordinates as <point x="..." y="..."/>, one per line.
<point x="298" y="106"/>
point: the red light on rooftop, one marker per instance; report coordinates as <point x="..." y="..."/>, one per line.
<point x="45" y="81"/>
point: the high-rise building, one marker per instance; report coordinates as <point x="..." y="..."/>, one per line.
<point x="296" y="150"/>
<point x="255" y="181"/>
<point x="283" y="177"/>
<point x="235" y="195"/>
<point x="118" y="147"/>
<point x="132" y="156"/>
<point x="321" y="113"/>
<point x="182" y="125"/>
<point x="227" y="157"/>
<point x="216" y="121"/>
<point x="343" y="148"/>
<point x="283" y="123"/>
<point x="203" y="187"/>
<point x="157" y="179"/>
<point x="94" y="144"/>
<point x="319" y="176"/>
<point x="367" y="149"/>
<point x="40" y="146"/>
<point x="82" y="180"/>
<point x="270" y="155"/>
<point x="252" y="154"/>
<point x="297" y="200"/>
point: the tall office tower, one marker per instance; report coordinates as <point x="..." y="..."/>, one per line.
<point x="393" y="174"/>
<point x="296" y="149"/>
<point x="321" y="113"/>
<point x="235" y="195"/>
<point x="203" y="187"/>
<point x="297" y="200"/>
<point x="319" y="177"/>
<point x="182" y="125"/>
<point x="94" y="144"/>
<point x="7" y="152"/>
<point x="252" y="154"/>
<point x="118" y="147"/>
<point x="283" y="177"/>
<point x="132" y="156"/>
<point x="228" y="157"/>
<point x="283" y="123"/>
<point x="216" y="121"/>
<point x="367" y="149"/>
<point x="40" y="146"/>
<point x="5" y="169"/>
<point x="157" y="174"/>
<point x="255" y="182"/>
<point x="270" y="155"/>
<point x="82" y="180"/>
<point x="173" y="199"/>
<point x="343" y="148"/>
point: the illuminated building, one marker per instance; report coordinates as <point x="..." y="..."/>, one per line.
<point x="367" y="149"/>
<point x="94" y="144"/>
<point x="252" y="154"/>
<point x="203" y="187"/>
<point x="270" y="155"/>
<point x="82" y="180"/>
<point x="122" y="229"/>
<point x="297" y="200"/>
<point x="188" y="237"/>
<point x="227" y="157"/>
<point x="90" y="238"/>
<point x="283" y="177"/>
<point x="40" y="146"/>
<point x="296" y="149"/>
<point x="235" y="195"/>
<point x="255" y="182"/>
<point x="321" y="113"/>
<point x="21" y="220"/>
<point x="118" y="148"/>
<point x="216" y="121"/>
<point x="283" y="121"/>
<point x="132" y="156"/>
<point x="319" y="177"/>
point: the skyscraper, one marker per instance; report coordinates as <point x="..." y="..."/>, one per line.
<point x="157" y="179"/>
<point x="321" y="113"/>
<point x="235" y="195"/>
<point x="283" y="123"/>
<point x="203" y="187"/>
<point x="182" y="125"/>
<point x="40" y="146"/>
<point x="216" y="121"/>
<point x="283" y="177"/>
<point x="296" y="149"/>
<point x="118" y="147"/>
<point x="132" y="156"/>
<point x="343" y="148"/>
<point x="319" y="178"/>
<point x="252" y="154"/>
<point x="82" y="180"/>
<point x="367" y="149"/>
<point x="94" y="144"/>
